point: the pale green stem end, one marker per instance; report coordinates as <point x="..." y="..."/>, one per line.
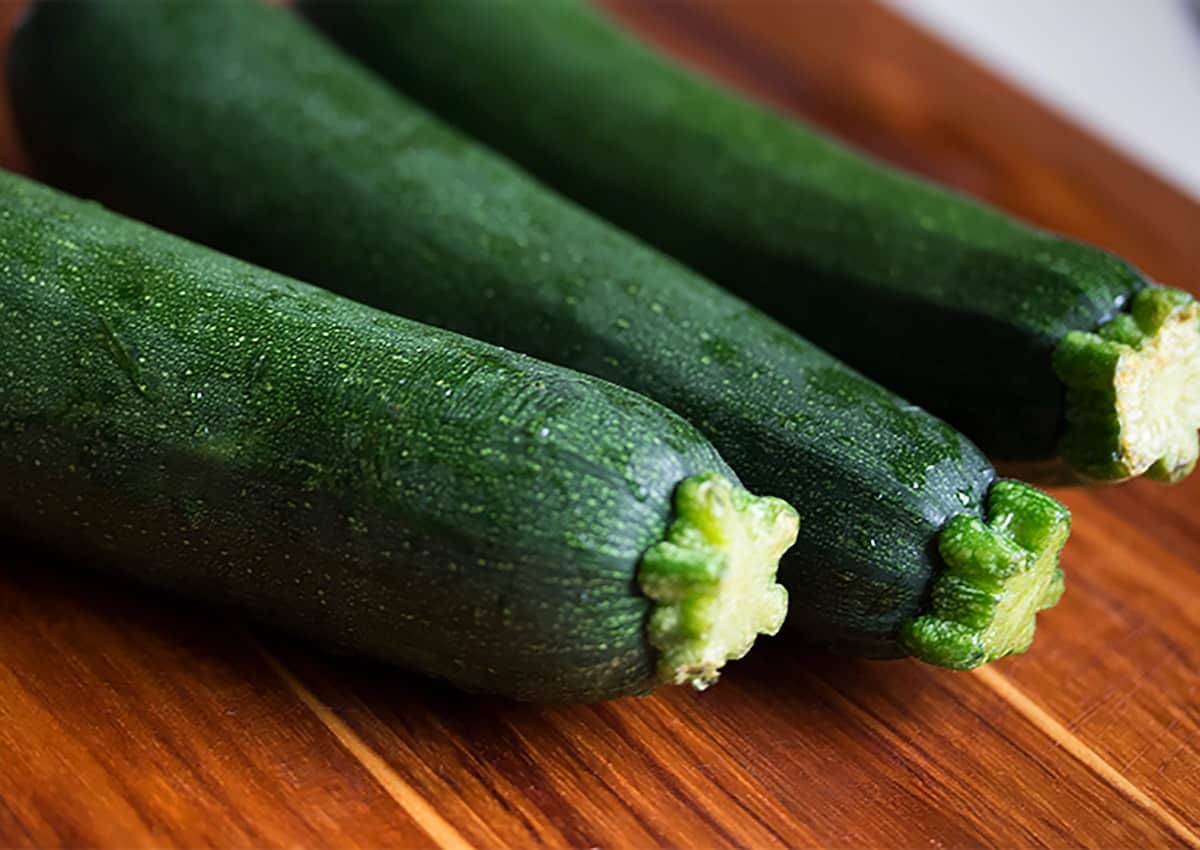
<point x="996" y="577"/>
<point x="1133" y="391"/>
<point x="712" y="578"/>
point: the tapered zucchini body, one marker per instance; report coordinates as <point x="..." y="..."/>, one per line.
<point x="241" y="126"/>
<point x="952" y="304"/>
<point x="468" y="512"/>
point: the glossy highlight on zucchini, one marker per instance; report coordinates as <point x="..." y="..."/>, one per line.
<point x="983" y="320"/>
<point x="240" y="126"/>
<point x="470" y="513"/>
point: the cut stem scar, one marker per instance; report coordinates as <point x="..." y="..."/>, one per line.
<point x="1133" y="391"/>
<point x="996" y="577"/>
<point x="713" y="578"/>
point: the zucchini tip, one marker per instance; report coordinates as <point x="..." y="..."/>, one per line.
<point x="1133" y="391"/>
<point x="997" y="575"/>
<point x="712" y="578"/>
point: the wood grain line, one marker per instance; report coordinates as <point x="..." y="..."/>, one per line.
<point x="444" y="835"/>
<point x="1061" y="735"/>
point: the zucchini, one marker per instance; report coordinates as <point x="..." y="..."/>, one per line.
<point x="237" y="124"/>
<point x="465" y="511"/>
<point x="1054" y="356"/>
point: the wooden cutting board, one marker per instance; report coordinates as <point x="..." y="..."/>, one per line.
<point x="130" y="720"/>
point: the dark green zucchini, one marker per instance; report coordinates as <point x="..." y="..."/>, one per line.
<point x="1046" y="352"/>
<point x="237" y="124"/>
<point x="468" y="512"/>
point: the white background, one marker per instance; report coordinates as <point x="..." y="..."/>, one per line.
<point x="1129" y="70"/>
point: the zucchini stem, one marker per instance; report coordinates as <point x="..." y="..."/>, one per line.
<point x="712" y="578"/>
<point x="1133" y="391"/>
<point x="997" y="576"/>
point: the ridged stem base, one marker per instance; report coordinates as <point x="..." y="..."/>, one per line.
<point x="996" y="577"/>
<point x="713" y="578"/>
<point x="1133" y="391"/>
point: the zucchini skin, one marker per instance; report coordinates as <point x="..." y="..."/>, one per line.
<point x="238" y="125"/>
<point x="948" y="302"/>
<point x="216" y="429"/>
